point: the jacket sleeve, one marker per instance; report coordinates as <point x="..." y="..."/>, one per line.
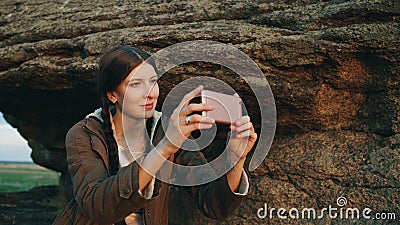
<point x="105" y="199"/>
<point x="214" y="199"/>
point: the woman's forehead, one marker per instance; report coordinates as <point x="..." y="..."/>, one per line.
<point x="143" y="71"/>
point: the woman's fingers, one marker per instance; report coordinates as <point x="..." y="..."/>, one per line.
<point x="188" y="109"/>
<point x="196" y="119"/>
<point x="240" y="122"/>
<point x="189" y="96"/>
<point x="200" y="126"/>
<point x="248" y="133"/>
<point x="243" y="128"/>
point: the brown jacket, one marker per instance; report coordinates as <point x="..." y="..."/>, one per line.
<point x="103" y="199"/>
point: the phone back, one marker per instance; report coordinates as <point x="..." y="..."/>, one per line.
<point x="228" y="108"/>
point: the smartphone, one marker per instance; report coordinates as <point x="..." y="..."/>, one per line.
<point x="228" y="108"/>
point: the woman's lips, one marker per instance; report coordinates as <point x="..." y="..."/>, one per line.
<point x="149" y="106"/>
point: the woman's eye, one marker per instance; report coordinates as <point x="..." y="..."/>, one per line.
<point x="135" y="84"/>
<point x="154" y="81"/>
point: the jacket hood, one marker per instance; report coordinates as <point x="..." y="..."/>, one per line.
<point x="157" y="115"/>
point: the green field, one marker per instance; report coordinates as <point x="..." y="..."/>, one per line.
<point x="16" y="177"/>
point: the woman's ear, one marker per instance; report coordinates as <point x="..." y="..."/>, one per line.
<point x="112" y="96"/>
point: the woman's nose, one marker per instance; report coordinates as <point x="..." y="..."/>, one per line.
<point x="151" y="91"/>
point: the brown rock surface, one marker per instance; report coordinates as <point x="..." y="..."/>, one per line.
<point x="333" y="67"/>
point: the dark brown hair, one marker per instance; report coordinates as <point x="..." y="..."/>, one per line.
<point x="115" y="65"/>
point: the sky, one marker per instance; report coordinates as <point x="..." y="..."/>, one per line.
<point x="12" y="146"/>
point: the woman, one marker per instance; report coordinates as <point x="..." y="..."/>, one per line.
<point x="113" y="174"/>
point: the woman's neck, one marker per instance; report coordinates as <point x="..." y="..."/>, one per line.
<point x="132" y="133"/>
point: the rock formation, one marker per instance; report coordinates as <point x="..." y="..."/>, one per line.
<point x="333" y="67"/>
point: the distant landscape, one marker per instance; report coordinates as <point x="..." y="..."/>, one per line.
<point x="22" y="176"/>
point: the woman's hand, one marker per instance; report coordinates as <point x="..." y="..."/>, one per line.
<point x="242" y="139"/>
<point x="181" y="124"/>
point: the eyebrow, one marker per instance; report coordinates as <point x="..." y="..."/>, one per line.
<point x="134" y="79"/>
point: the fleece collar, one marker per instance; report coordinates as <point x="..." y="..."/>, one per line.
<point x="156" y="116"/>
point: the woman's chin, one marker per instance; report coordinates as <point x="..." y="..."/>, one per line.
<point x="149" y="114"/>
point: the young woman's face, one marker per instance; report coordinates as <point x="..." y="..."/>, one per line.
<point x="138" y="92"/>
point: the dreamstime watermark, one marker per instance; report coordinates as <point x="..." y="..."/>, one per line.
<point x="238" y="62"/>
<point x="332" y="212"/>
